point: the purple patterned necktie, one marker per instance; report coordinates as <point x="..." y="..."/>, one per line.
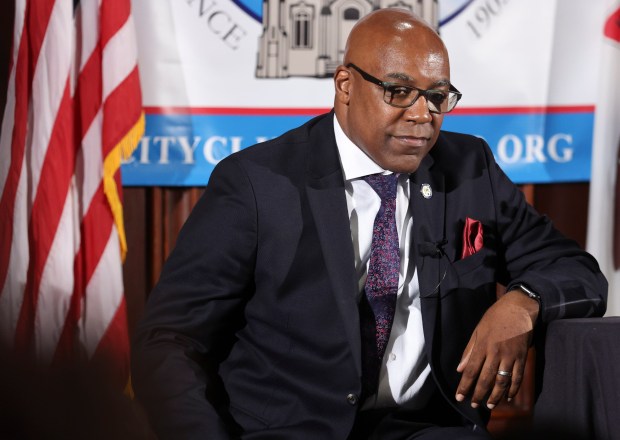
<point x="379" y="302"/>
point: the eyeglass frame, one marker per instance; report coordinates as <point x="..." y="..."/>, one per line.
<point x="421" y="92"/>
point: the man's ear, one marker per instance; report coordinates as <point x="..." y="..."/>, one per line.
<point x="342" y="83"/>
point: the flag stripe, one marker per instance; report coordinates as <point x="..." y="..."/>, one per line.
<point x="9" y="110"/>
<point x="56" y="285"/>
<point x="114" y="342"/>
<point x="108" y="320"/>
<point x="96" y="231"/>
<point x="38" y="17"/>
<point x="97" y="228"/>
<point x="39" y="14"/>
<point x="88" y="15"/>
<point x="91" y="160"/>
<point x="104" y="293"/>
<point x="17" y="148"/>
<point x="49" y="203"/>
<point x="114" y="15"/>
<point x="88" y="92"/>
<point x="51" y="164"/>
<point x="114" y="73"/>
<point x="119" y="111"/>
<point x="49" y="85"/>
<point x="60" y="182"/>
<point x="11" y="297"/>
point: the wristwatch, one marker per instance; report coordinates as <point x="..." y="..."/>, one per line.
<point x="528" y="292"/>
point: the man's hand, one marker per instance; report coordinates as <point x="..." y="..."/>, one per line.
<point x="499" y="342"/>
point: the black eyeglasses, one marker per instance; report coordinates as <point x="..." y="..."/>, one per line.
<point x="402" y="96"/>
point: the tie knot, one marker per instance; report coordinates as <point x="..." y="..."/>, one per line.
<point x="383" y="184"/>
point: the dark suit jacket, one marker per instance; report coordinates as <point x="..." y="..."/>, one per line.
<point x="253" y="327"/>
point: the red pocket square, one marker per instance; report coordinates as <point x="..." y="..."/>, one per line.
<point x="472" y="237"/>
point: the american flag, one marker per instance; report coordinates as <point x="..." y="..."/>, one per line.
<point x="73" y="110"/>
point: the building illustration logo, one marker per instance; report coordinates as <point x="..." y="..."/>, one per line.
<point x="308" y="37"/>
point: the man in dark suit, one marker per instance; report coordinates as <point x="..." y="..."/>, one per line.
<point x="259" y="326"/>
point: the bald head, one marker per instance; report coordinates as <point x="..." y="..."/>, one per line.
<point x="386" y="28"/>
<point x="391" y="46"/>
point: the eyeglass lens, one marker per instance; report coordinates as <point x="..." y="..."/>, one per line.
<point x="403" y="96"/>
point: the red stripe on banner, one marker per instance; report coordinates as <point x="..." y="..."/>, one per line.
<point x="523" y="110"/>
<point x="95" y="231"/>
<point x="534" y="110"/>
<point x="121" y="110"/>
<point x="238" y="111"/>
<point x="112" y="352"/>
<point x="612" y="26"/>
<point x="114" y="14"/>
<point x="225" y="111"/>
<point x="47" y="208"/>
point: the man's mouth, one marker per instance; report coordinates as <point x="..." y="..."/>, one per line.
<point x="416" y="141"/>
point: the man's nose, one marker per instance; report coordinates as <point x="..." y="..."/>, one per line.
<point x="418" y="111"/>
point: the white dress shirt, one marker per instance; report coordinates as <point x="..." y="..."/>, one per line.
<point x="404" y="375"/>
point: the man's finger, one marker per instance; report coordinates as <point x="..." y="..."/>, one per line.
<point x="503" y="382"/>
<point x="517" y="379"/>
<point x="485" y="383"/>
<point x="470" y="373"/>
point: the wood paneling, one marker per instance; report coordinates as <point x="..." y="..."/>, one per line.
<point x="567" y="206"/>
<point x="154" y="217"/>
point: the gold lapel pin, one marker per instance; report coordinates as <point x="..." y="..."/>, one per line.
<point x="426" y="191"/>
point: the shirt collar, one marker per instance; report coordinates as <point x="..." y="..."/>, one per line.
<point x="354" y="162"/>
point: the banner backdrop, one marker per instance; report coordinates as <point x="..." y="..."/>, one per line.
<point x="221" y="75"/>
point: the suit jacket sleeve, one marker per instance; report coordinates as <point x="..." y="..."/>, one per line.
<point x="194" y="310"/>
<point x="535" y="254"/>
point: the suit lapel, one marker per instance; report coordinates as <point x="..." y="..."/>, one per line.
<point x="326" y="196"/>
<point x="428" y="210"/>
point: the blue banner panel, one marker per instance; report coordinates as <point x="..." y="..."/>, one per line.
<point x="536" y="146"/>
<point x="181" y="150"/>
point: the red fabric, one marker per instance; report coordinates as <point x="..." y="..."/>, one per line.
<point x="472" y="237"/>
<point x="612" y="26"/>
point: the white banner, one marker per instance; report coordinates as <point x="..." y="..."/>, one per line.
<point x="221" y="75"/>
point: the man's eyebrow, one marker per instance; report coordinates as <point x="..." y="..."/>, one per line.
<point x="401" y="76"/>
<point x="405" y="77"/>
